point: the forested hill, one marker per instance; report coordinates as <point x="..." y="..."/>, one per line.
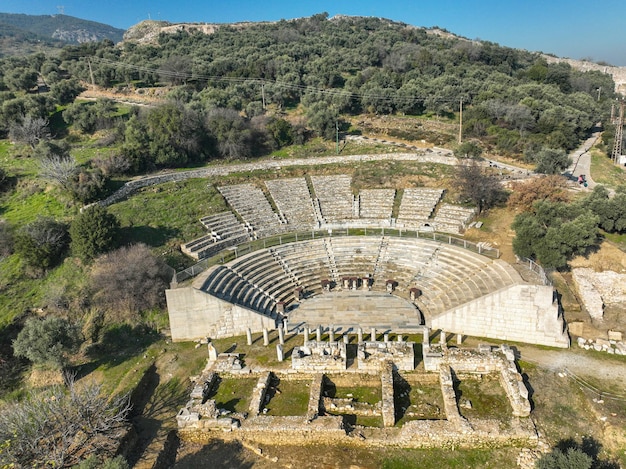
<point x="351" y="65"/>
<point x="304" y="76"/>
<point x="63" y="28"/>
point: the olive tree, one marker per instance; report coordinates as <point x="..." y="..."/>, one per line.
<point x="46" y="342"/>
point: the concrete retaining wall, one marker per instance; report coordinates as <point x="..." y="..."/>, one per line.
<point x="195" y="315"/>
<point x="520" y="313"/>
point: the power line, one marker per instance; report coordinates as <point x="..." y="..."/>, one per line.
<point x="392" y="97"/>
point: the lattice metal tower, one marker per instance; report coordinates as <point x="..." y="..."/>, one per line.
<point x="619" y="134"/>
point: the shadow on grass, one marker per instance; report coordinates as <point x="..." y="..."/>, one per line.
<point x="570" y="453"/>
<point x="118" y="344"/>
<point x="217" y="454"/>
<point x="147" y="235"/>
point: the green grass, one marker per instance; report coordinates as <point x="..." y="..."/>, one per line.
<point x="451" y="458"/>
<point x="423" y="402"/>
<point x="603" y="171"/>
<point x="618" y="239"/>
<point x="366" y="394"/>
<point x="487" y="396"/>
<point x="168" y="214"/>
<point x="293" y="399"/>
<point x="234" y="394"/>
<point x="20" y="292"/>
<point x="25" y="206"/>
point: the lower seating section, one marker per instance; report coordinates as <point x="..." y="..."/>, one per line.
<point x="227" y="284"/>
<point x="417" y="206"/>
<point x="253" y="207"/>
<point x="376" y="203"/>
<point x="335" y="197"/>
<point x="355" y="256"/>
<point x="293" y="199"/>
<point x="446" y="276"/>
<point x="307" y="261"/>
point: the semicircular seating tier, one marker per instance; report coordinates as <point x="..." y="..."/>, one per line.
<point x="451" y="286"/>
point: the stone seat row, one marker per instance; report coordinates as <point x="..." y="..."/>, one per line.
<point x="446" y="276"/>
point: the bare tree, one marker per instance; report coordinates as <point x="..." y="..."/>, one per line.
<point x="59" y="169"/>
<point x="61" y="425"/>
<point x="129" y="280"/>
<point x="30" y="130"/>
<point x="476" y="185"/>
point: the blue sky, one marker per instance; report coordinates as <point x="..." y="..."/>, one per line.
<point x="576" y="29"/>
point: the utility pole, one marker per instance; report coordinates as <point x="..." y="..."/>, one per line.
<point x="460" y="121"/>
<point x="619" y="134"/>
<point x="337" y="134"/>
<point x="93" y="82"/>
<point x="263" y="93"/>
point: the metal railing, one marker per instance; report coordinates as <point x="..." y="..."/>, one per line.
<point x="537" y="269"/>
<point x="242" y="249"/>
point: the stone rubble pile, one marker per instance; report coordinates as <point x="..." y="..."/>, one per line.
<point x="610" y="346"/>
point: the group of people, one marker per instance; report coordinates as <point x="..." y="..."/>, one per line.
<point x="582" y="180"/>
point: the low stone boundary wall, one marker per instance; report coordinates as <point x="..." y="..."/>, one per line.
<point x="222" y="170"/>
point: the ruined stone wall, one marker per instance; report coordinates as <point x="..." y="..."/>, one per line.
<point x="375" y="355"/>
<point x="388" y="406"/>
<point x="520" y="313"/>
<point x="257" y="401"/>
<point x="449" y="399"/>
<point x="195" y="314"/>
<point x="319" y="356"/>
<point x="597" y="289"/>
<point x="315" y="396"/>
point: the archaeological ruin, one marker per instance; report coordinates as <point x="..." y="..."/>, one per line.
<point x="353" y="277"/>
<point x="342" y="259"/>
<point x="396" y="397"/>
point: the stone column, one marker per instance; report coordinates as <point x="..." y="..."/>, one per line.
<point x="346" y="338"/>
<point x="442" y="337"/>
<point x="426" y="339"/>
<point x="331" y="333"/>
<point x="373" y="334"/>
<point x="279" y="352"/>
<point x="266" y="337"/>
<point x="212" y="352"/>
<point x="386" y="337"/>
<point x="459" y="339"/>
<point x="286" y="325"/>
<point x="281" y="336"/>
<point x="248" y="336"/>
<point x="360" y="335"/>
<point x="399" y="338"/>
<point x="305" y="334"/>
<point x="318" y="333"/>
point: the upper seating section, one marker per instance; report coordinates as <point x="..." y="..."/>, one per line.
<point x="335" y="197"/>
<point x="293" y="199"/>
<point x="251" y="204"/>
<point x="417" y="206"/>
<point x="376" y="203"/>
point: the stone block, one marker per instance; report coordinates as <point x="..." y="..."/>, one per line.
<point x="615" y="335"/>
<point x="576" y="328"/>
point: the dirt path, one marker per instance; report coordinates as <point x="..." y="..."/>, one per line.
<point x="581" y="364"/>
